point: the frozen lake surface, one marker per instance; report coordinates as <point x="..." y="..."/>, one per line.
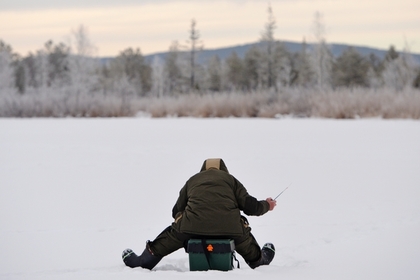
<point x="74" y="193"/>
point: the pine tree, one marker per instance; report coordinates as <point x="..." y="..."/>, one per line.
<point x="351" y="69"/>
<point x="214" y="71"/>
<point x="58" y="64"/>
<point x="391" y="54"/>
<point x="416" y="82"/>
<point x="303" y="72"/>
<point x="374" y="71"/>
<point x="235" y="72"/>
<point x="252" y="69"/>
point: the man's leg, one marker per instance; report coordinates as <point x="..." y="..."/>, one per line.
<point x="164" y="244"/>
<point x="247" y="246"/>
<point x="146" y="260"/>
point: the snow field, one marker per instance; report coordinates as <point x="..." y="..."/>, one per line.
<point x="75" y="192"/>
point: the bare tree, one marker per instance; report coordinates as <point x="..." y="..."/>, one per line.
<point x="83" y="65"/>
<point x="267" y="38"/>
<point x="82" y="43"/>
<point x="195" y="46"/>
<point x="322" y="58"/>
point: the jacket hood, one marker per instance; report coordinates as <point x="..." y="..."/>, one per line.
<point x="214" y="163"/>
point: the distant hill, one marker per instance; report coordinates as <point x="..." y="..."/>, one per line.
<point x="293" y="47"/>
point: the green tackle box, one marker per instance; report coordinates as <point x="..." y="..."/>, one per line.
<point x="211" y="254"/>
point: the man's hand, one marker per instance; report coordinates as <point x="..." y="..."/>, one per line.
<point x="272" y="203"/>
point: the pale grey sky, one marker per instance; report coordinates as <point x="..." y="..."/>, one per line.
<point x="152" y="25"/>
<point x="48" y="4"/>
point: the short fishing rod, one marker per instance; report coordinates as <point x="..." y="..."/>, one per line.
<point x="281" y="192"/>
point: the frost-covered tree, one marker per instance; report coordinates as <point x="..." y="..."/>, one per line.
<point x="375" y="71"/>
<point x="82" y="45"/>
<point x="252" y="69"/>
<point x="394" y="74"/>
<point x="12" y="73"/>
<point x="158" y="76"/>
<point x="175" y="82"/>
<point x="302" y="72"/>
<point x="47" y="67"/>
<point x="58" y="64"/>
<point x="235" y="72"/>
<point x="6" y="67"/>
<point x="275" y="62"/>
<point x="36" y="72"/>
<point x="399" y="69"/>
<point x="131" y="68"/>
<point x="214" y="72"/>
<point x="322" y="59"/>
<point x="83" y="65"/>
<point x="282" y="67"/>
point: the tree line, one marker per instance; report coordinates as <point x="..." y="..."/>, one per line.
<point x="71" y="69"/>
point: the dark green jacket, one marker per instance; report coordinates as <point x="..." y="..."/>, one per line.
<point x="210" y="204"/>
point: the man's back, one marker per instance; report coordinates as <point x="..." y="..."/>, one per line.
<point x="209" y="203"/>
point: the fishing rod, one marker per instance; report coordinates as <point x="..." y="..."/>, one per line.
<point x="282" y="192"/>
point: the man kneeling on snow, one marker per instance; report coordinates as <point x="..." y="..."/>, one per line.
<point x="209" y="206"/>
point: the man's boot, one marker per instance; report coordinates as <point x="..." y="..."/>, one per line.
<point x="267" y="255"/>
<point x="146" y="260"/>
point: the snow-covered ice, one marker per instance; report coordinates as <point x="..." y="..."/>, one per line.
<point x="74" y="193"/>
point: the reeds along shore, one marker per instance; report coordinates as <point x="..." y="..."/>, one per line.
<point x="343" y="103"/>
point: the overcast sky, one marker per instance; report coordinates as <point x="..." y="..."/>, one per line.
<point x="152" y="25"/>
